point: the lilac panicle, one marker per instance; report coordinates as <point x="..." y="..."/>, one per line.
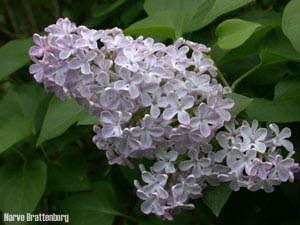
<point x="162" y="103"/>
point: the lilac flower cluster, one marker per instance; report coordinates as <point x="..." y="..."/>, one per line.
<point x="161" y="103"/>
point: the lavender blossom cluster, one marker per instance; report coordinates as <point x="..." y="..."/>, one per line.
<point x="165" y="104"/>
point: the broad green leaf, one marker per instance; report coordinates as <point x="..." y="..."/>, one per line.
<point x="162" y="24"/>
<point x="28" y="101"/>
<point x="88" y="119"/>
<point x="90" y="208"/>
<point x="68" y="173"/>
<point x="268" y="74"/>
<point x="216" y="197"/>
<point x="22" y="186"/>
<point x="288" y="88"/>
<point x="263" y="17"/>
<point x="105" y="8"/>
<point x="281" y="110"/>
<point x="291" y="23"/>
<point x="21" y="113"/>
<point x="13" y="129"/>
<point x="250" y="47"/>
<point x="130" y="14"/>
<point x="267" y="20"/>
<point x="154" y="6"/>
<point x="13" y="56"/>
<point x="234" y="32"/>
<point x="59" y="117"/>
<point x="218" y="8"/>
<point x="173" y="18"/>
<point x="240" y="103"/>
<point x="284" y="108"/>
<point x="276" y="43"/>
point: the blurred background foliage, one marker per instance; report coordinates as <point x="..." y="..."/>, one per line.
<point x="48" y="162"/>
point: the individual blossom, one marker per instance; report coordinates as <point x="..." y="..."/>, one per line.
<point x="195" y="163"/>
<point x="178" y="107"/>
<point x="165" y="161"/>
<point x="147" y="132"/>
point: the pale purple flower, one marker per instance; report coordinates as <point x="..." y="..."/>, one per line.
<point x="41" y="46"/>
<point x="178" y="107"/>
<point x="155" y="184"/>
<point x="283" y="168"/>
<point x="260" y="169"/>
<point x="220" y="105"/>
<point x="147" y="132"/>
<point x="61" y="28"/>
<point x="280" y="137"/>
<point x="111" y="124"/>
<point x="151" y="203"/>
<point x="195" y="163"/>
<point x="254" y="137"/>
<point x="82" y="61"/>
<point x="165" y="161"/>
<point x="238" y="160"/>
<point x="185" y="188"/>
<point x="205" y="118"/>
<point x="88" y="38"/>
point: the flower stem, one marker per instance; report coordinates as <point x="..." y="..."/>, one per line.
<point x="237" y="81"/>
<point x="222" y="78"/>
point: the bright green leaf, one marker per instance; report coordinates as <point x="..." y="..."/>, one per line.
<point x="216" y="197"/>
<point x="162" y="24"/>
<point x="240" y="103"/>
<point x="88" y="119"/>
<point x="59" y="117"/>
<point x="291" y="23"/>
<point x="13" y="56"/>
<point x="90" y="208"/>
<point x="234" y="32"/>
<point x="283" y="110"/>
<point x="173" y="18"/>
<point x="22" y="186"/>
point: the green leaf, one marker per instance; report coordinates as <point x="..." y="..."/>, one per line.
<point x="276" y="43"/>
<point x="13" y="56"/>
<point x="105" y="8"/>
<point x="216" y="197"/>
<point x="284" y="108"/>
<point x="173" y="18"/>
<point x="96" y="207"/>
<point x="12" y="130"/>
<point x="29" y="101"/>
<point x="68" y="173"/>
<point x="240" y="103"/>
<point x="88" y="119"/>
<point x="279" y="111"/>
<point x="22" y="186"/>
<point x="59" y="117"/>
<point x="234" y="32"/>
<point x="288" y="88"/>
<point x="263" y="17"/>
<point x="21" y="113"/>
<point x="291" y="23"/>
<point x="162" y="24"/>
